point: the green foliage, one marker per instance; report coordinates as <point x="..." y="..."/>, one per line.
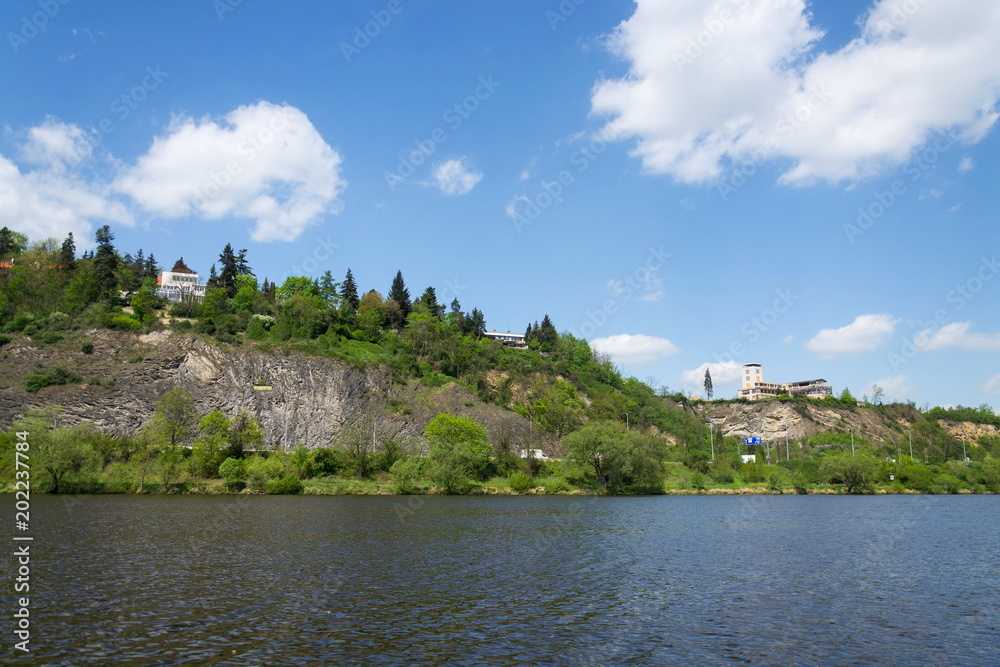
<point x="858" y="473"/>
<point x="404" y="474"/>
<point x="210" y="447"/>
<point x="623" y="461"/>
<point x="554" y="485"/>
<point x="55" y="376"/>
<point x="87" y="347"/>
<point x="234" y="472"/>
<point x="302" y="462"/>
<point x="459" y="450"/>
<point x="521" y="482"/>
<point x="327" y="461"/>
<point x="288" y="484"/>
<point x="982" y="415"/>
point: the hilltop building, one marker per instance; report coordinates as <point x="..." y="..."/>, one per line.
<point x="754" y="388"/>
<point x="509" y="339"/>
<point x="179" y="282"/>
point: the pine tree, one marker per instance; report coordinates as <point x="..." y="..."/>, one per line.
<point x="67" y="254"/>
<point x="400" y="294"/>
<point x="349" y="292"/>
<point x="456" y="318"/>
<point x="475" y="323"/>
<point x="708" y="384"/>
<point x="213" y="277"/>
<point x="150" y="269"/>
<point x="6" y="242"/>
<point x="429" y="299"/>
<point x="106" y="262"/>
<point x="230" y="269"/>
<point x="546" y="334"/>
<point x="242" y="266"/>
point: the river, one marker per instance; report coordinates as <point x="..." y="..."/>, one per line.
<point x="560" y="580"/>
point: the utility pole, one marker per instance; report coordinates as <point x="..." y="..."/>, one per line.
<point x="787" y="457"/>
<point x="711" y="435"/>
<point x="626" y="421"/>
<point x="852" y="441"/>
<point x="910" y="436"/>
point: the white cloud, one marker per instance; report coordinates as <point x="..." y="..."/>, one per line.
<point x="58" y="195"/>
<point x="865" y="333"/>
<point x="455" y="177"/>
<point x="957" y="335"/>
<point x="756" y="89"/>
<point x="787" y="340"/>
<point x="993" y="385"/>
<point x="264" y="162"/>
<point x="894" y="388"/>
<point x="723" y="373"/>
<point x="966" y="164"/>
<point x="634" y="349"/>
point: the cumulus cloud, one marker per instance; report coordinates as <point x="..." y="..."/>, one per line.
<point x="634" y="349"/>
<point x="455" y="177"/>
<point x="894" y="388"/>
<point x="993" y="385"/>
<point x="957" y="335"/>
<point x="716" y="84"/>
<point x="864" y="334"/>
<point x="966" y="164"/>
<point x="263" y="162"/>
<point x="723" y="373"/>
<point x="57" y="194"/>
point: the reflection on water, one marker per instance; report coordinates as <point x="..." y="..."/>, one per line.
<point x="514" y="580"/>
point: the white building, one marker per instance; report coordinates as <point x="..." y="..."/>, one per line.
<point x="178" y="282"/>
<point x="509" y="339"/>
<point x="754" y="388"/>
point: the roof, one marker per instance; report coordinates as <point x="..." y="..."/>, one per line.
<point x="181" y="267"/>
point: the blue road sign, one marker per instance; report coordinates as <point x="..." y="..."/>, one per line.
<point x="752" y="441"/>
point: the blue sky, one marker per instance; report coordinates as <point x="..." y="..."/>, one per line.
<point x="805" y="185"/>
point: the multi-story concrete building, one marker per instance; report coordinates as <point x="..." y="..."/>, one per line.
<point x="753" y="386"/>
<point x="509" y="339"/>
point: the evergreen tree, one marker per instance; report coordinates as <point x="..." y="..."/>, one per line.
<point x="546" y="334"/>
<point x="400" y="294"/>
<point x="67" y="255"/>
<point x="327" y="289"/>
<point x="709" y="392"/>
<point x="6" y="242"/>
<point x="213" y="277"/>
<point x="150" y="269"/>
<point x="456" y="318"/>
<point x="230" y="269"/>
<point x="349" y="292"/>
<point x="475" y="323"/>
<point x="242" y="266"/>
<point x="429" y="299"/>
<point x="106" y="262"/>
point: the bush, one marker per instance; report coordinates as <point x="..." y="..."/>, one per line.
<point x="4" y="339"/>
<point x="234" y="472"/>
<point x="752" y="473"/>
<point x="698" y="481"/>
<point x="723" y="476"/>
<point x="49" y="338"/>
<point x="56" y="376"/>
<point x="556" y="485"/>
<point x="87" y="347"/>
<point x="521" y="482"/>
<point x="776" y="481"/>
<point x="119" y="322"/>
<point x="404" y="474"/>
<point x="327" y="461"/>
<point x="289" y="484"/>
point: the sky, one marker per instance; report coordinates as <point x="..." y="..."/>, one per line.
<point x="685" y="184"/>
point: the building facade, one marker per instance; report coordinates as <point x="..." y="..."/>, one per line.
<point x="178" y="283"/>
<point x="509" y="339"/>
<point x="753" y="386"/>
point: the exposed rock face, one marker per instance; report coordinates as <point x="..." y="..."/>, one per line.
<point x="310" y="400"/>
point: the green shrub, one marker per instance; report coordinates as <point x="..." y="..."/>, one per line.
<point x="521" y="482"/>
<point x="58" y="321"/>
<point x="49" y="338"/>
<point x="327" y="461"/>
<point x="119" y="322"/>
<point x="800" y="482"/>
<point x="289" y="484"/>
<point x="555" y="485"/>
<point x="4" y="339"/>
<point x="404" y="474"/>
<point x="698" y="481"/>
<point x="55" y="376"/>
<point x="87" y="347"/>
<point x="776" y="481"/>
<point x="234" y="472"/>
<point x="723" y="476"/>
<point x="752" y="473"/>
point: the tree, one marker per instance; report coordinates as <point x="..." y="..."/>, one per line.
<point x="708" y="384"/>
<point x="328" y="290"/>
<point x="63" y="452"/>
<point x="230" y="269"/>
<point x="11" y="243"/>
<point x="429" y="300"/>
<point x="175" y="418"/>
<point x="244" y="433"/>
<point x="623" y="461"/>
<point x="459" y="450"/>
<point x="877" y="394"/>
<point x="847" y="398"/>
<point x="858" y="473"/>
<point x="145" y="302"/>
<point x="210" y="446"/>
<point x="475" y="323"/>
<point x="242" y="266"/>
<point x="106" y="262"/>
<point x="400" y="294"/>
<point x="349" y="292"/>
<point x="234" y="472"/>
<point x="67" y="254"/>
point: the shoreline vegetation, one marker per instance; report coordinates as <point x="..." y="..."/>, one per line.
<point x="73" y="325"/>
